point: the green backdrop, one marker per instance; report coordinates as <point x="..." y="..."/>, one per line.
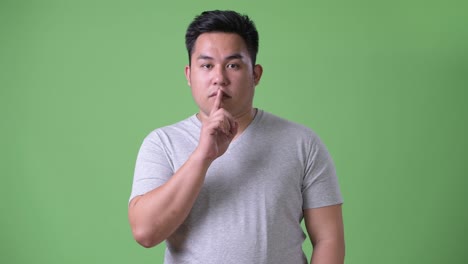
<point x="382" y="82"/>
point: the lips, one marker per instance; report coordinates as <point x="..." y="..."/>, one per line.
<point x="225" y="95"/>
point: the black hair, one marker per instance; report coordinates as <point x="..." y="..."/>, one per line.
<point x="223" y="21"/>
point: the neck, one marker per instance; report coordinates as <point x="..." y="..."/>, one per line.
<point x="243" y="119"/>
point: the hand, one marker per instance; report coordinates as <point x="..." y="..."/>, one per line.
<point x="218" y="130"/>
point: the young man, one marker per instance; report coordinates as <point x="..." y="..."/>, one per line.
<point x="232" y="183"/>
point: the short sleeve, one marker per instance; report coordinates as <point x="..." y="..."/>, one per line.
<point x="320" y="186"/>
<point x="152" y="168"/>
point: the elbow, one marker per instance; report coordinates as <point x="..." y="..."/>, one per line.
<point x="146" y="233"/>
<point x="145" y="238"/>
<point x="145" y="242"/>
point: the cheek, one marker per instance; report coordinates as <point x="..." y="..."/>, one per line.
<point x="198" y="94"/>
<point x="199" y="81"/>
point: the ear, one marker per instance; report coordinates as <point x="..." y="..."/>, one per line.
<point x="257" y="71"/>
<point x="187" y="75"/>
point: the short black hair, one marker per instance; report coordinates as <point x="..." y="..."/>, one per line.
<point x="223" y="21"/>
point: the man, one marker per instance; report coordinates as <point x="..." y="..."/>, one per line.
<point x="232" y="183"/>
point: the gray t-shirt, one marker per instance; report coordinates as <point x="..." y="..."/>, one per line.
<point x="251" y="205"/>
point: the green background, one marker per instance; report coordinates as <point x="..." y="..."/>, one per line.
<point x="382" y="82"/>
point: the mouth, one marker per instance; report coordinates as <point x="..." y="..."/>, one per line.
<point x="225" y="95"/>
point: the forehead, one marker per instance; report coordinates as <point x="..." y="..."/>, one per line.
<point x="219" y="44"/>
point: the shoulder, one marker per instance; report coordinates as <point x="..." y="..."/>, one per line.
<point x="175" y="131"/>
<point x="281" y="125"/>
<point x="188" y="124"/>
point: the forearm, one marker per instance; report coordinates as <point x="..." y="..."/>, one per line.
<point x="328" y="252"/>
<point x="157" y="214"/>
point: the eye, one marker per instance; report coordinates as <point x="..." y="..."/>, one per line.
<point x="207" y="66"/>
<point x="233" y="66"/>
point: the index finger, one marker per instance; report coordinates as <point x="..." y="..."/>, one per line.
<point x="217" y="103"/>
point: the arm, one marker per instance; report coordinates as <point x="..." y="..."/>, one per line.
<point x="155" y="215"/>
<point x="325" y="228"/>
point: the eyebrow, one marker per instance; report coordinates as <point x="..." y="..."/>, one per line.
<point x="230" y="57"/>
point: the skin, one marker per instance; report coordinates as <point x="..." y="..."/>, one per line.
<point x="325" y="228"/>
<point x="222" y="80"/>
<point x="221" y="63"/>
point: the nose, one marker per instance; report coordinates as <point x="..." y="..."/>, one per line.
<point x="220" y="78"/>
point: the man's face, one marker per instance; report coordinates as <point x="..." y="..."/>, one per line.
<point x="221" y="61"/>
